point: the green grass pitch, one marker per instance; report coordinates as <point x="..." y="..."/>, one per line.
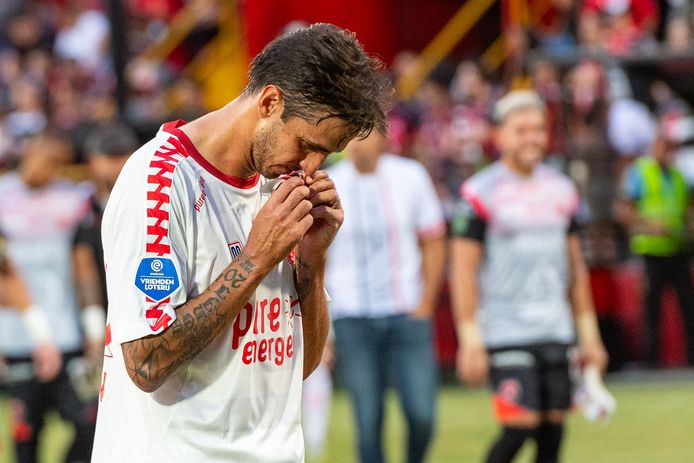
<point x="654" y="423"/>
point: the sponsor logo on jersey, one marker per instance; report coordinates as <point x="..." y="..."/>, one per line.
<point x="235" y="249"/>
<point x="156" y="277"/>
<point x="257" y="331"/>
<point x="203" y="195"/>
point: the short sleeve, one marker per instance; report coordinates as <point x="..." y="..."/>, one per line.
<point x="145" y="254"/>
<point x="430" y="222"/>
<point x="467" y="223"/>
<point x="632" y="186"/>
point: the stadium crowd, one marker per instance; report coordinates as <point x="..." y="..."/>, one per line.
<point x="57" y="92"/>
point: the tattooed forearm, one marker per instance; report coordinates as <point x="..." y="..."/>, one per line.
<point x="247" y="266"/>
<point x="315" y="320"/>
<point x="303" y="280"/>
<point x="152" y="360"/>
<point x="234" y="277"/>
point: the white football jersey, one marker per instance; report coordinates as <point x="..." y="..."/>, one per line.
<point x="375" y="262"/>
<point x="39" y="225"/>
<point x="172" y="224"/>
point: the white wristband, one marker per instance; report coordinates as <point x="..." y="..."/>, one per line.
<point x="36" y="324"/>
<point x="469" y="333"/>
<point x="94" y="322"/>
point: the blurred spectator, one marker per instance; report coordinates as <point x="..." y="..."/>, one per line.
<point x="470" y="143"/>
<point x="28" y="116"/>
<point x="655" y="206"/>
<point x="38" y="215"/>
<point x="630" y="127"/>
<point x="384" y="275"/>
<point x="545" y="80"/>
<point x="185" y="100"/>
<point x="678" y="35"/>
<point x="434" y="144"/>
<point x="404" y="118"/>
<point x="555" y="32"/>
<point x="617" y="27"/>
<point x="25" y="31"/>
<point x="82" y="35"/>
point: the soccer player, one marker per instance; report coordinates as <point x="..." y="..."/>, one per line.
<point x="39" y="213"/>
<point x="384" y="275"/>
<point x="520" y="285"/>
<point x="213" y="320"/>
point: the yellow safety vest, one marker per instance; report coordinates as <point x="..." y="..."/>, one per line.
<point x="665" y="202"/>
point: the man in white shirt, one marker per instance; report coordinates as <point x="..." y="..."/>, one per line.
<point x="215" y="272"/>
<point x="384" y="274"/>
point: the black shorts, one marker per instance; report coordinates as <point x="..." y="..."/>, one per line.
<point x="29" y="400"/>
<point x="530" y="378"/>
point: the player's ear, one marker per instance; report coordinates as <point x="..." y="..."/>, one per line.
<point x="270" y="101"/>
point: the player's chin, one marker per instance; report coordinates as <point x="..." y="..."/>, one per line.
<point x="531" y="156"/>
<point x="277" y="171"/>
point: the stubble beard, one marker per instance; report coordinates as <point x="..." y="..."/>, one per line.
<point x="262" y="146"/>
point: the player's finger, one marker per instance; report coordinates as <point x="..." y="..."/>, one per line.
<point x="305" y="223"/>
<point x="327" y="197"/>
<point x="296" y="196"/>
<point x="285" y="189"/>
<point x="321" y="185"/>
<point x="317" y="175"/>
<point x="334" y="217"/>
<point x="300" y="211"/>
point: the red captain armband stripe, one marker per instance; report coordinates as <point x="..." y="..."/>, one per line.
<point x="475" y="202"/>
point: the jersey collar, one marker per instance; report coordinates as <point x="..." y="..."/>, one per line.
<point x="173" y="129"/>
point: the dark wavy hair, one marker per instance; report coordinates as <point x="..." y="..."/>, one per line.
<point x="323" y="72"/>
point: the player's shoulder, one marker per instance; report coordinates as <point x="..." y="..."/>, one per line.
<point x="9" y="181"/>
<point x="484" y="180"/>
<point x="404" y="168"/>
<point x="401" y="163"/>
<point x="546" y="172"/>
<point x="342" y="172"/>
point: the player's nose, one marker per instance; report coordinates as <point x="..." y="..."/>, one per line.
<point x="311" y="163"/>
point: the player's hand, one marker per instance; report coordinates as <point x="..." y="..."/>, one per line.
<point x="327" y="214"/>
<point x="281" y="222"/>
<point x="594" y="353"/>
<point x="13" y="291"/>
<point x="47" y="362"/>
<point x="472" y="364"/>
<point x="328" y="357"/>
<point x="93" y="349"/>
<point x="422" y="312"/>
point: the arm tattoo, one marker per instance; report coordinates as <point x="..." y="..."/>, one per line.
<point x="303" y="284"/>
<point x="151" y="360"/>
<point x="234" y="277"/>
<point x="247" y="266"/>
